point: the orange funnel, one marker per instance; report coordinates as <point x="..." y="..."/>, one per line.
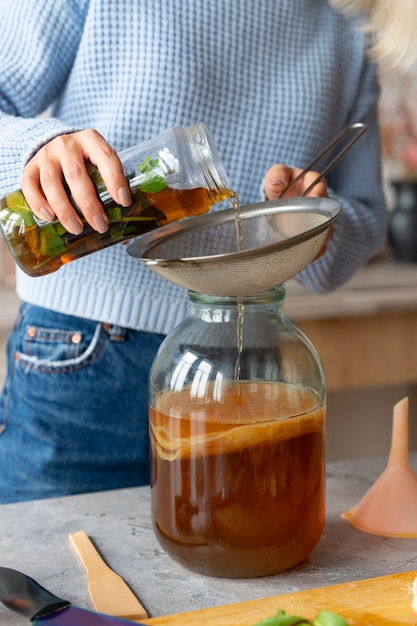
<point x="390" y="506"/>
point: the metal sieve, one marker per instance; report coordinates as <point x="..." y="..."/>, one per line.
<point x="279" y="238"/>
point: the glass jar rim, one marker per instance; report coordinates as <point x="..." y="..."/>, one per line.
<point x="275" y="294"/>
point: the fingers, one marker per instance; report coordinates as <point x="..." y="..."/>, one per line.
<point x="277" y="178"/>
<point x="63" y="161"/>
<point x="319" y="189"/>
<point x="280" y="176"/>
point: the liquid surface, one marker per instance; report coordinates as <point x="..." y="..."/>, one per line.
<point x="238" y="486"/>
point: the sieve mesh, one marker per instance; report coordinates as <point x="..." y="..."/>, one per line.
<point x="279" y="238"/>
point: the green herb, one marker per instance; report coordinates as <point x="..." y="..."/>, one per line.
<point x="121" y="230"/>
<point x="114" y="213"/>
<point x="148" y="164"/>
<point x="324" y="618"/>
<point x="151" y="181"/>
<point x="60" y="229"/>
<point x="16" y="203"/>
<point x="51" y="241"/>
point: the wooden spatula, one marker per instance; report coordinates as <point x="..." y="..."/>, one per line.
<point x="108" y="591"/>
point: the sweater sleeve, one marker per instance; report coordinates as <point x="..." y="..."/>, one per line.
<point x="35" y="64"/>
<point x="356" y="183"/>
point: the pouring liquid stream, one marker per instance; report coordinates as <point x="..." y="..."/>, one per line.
<point x="240" y="306"/>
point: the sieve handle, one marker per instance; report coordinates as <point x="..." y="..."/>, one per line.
<point x="359" y="128"/>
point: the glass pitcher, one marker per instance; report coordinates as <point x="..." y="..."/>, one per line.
<point x="174" y="176"/>
<point x="237" y="408"/>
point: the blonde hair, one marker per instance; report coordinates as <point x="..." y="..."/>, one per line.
<point x="392" y="25"/>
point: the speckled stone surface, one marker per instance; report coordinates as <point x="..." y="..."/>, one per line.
<point x="34" y="539"/>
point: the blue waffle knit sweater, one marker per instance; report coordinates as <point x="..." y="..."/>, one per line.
<point x="273" y="82"/>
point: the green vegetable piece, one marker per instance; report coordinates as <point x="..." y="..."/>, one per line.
<point x="328" y="618"/>
<point x="324" y="618"/>
<point x="282" y="619"/>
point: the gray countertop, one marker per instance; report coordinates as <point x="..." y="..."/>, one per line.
<point x="34" y="539"/>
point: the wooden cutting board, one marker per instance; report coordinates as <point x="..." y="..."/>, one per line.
<point x="383" y="601"/>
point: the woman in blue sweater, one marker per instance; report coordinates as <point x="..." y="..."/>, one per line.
<point x="273" y="82"/>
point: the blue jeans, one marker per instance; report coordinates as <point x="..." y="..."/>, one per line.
<point x="74" y="407"/>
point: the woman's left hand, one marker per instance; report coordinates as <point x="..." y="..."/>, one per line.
<point x="279" y="176"/>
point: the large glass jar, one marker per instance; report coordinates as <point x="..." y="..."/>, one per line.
<point x="237" y="421"/>
<point x="176" y="175"/>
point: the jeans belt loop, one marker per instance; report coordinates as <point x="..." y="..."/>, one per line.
<point x="116" y="333"/>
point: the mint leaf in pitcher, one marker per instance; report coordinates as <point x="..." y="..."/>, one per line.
<point x="51" y="240"/>
<point x="151" y="181"/>
<point x="16" y="203"/>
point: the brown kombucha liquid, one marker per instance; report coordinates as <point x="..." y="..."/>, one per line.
<point x="238" y="483"/>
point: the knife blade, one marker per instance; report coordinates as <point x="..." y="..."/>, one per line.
<point x="23" y="594"/>
<point x="108" y="591"/>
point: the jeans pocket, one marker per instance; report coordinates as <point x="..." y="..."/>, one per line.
<point x="64" y="344"/>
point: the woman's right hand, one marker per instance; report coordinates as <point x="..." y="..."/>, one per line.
<point x="65" y="158"/>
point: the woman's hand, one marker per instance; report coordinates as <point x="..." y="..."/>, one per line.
<point x="65" y="159"/>
<point x="279" y="176"/>
<point x="277" y="179"/>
